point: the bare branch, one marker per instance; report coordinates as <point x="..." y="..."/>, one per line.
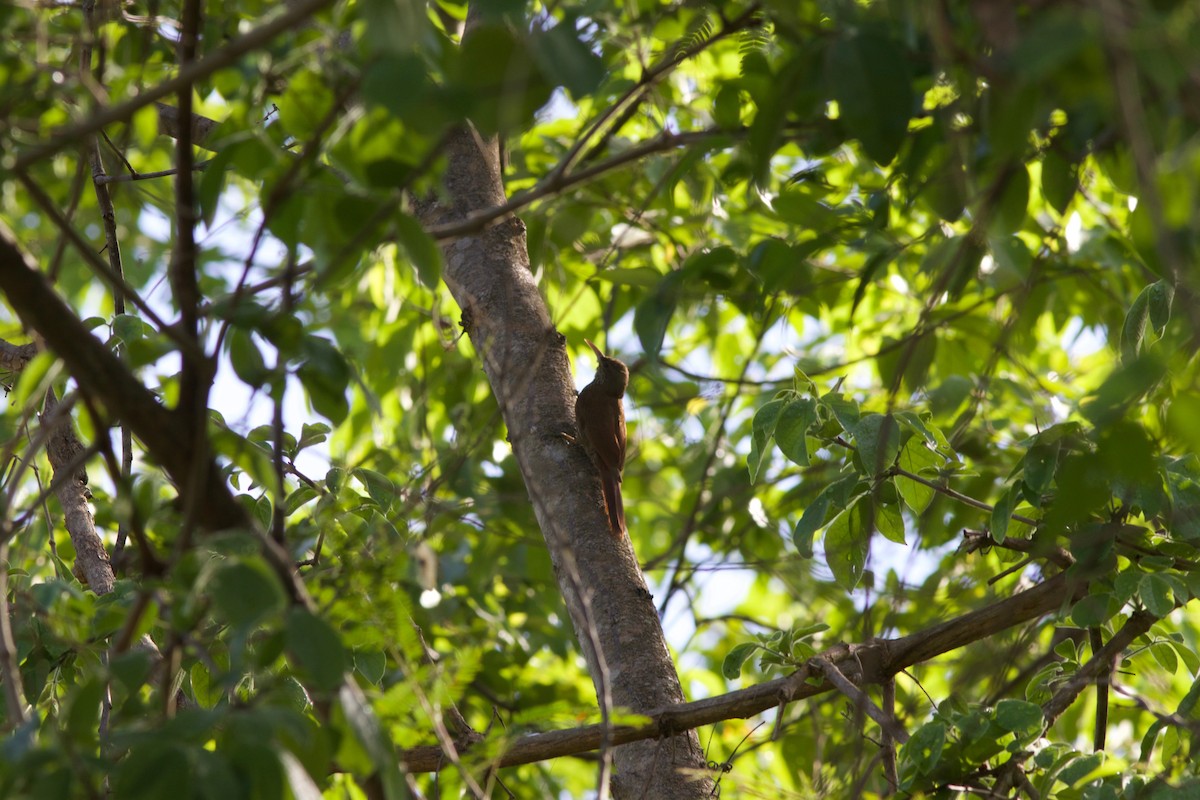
<point x="873" y="662"/>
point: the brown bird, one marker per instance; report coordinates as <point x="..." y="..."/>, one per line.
<point x="601" y="422"/>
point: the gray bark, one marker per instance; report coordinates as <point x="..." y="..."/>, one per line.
<point x="525" y="359"/>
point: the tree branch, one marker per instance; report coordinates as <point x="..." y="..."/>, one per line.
<point x="100" y="374"/>
<point x="862" y="664"/>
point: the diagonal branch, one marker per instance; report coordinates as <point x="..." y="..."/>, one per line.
<point x="102" y="376"/>
<point x="861" y="664"/>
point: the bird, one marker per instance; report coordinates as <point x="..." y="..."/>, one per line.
<point x="600" y="418"/>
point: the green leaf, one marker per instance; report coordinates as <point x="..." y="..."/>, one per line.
<point x="564" y="60"/>
<point x="379" y="486"/>
<point x="1010" y="113"/>
<point x="422" y="250"/>
<point x="298" y="499"/>
<point x="727" y="106"/>
<point x="1009" y="214"/>
<point x="916" y="458"/>
<point x="394" y="25"/>
<point x="844" y="409"/>
<point x="800" y="208"/>
<point x="813" y="518"/>
<point x="316" y="648"/>
<point x="651" y="316"/>
<point x="924" y="749"/>
<point x="205" y="690"/>
<point x="129" y="328"/>
<point x="325" y="375"/>
<point x="1164" y="654"/>
<point x="1162" y="294"/>
<point x="1060" y="179"/>
<point x="1019" y="716"/>
<point x="731" y="666"/>
<point x="152" y="770"/>
<point x="312" y="433"/>
<point x="878" y="440"/>
<point x="763" y="429"/>
<point x="244" y="591"/>
<point x="1156" y="595"/>
<point x="247" y="361"/>
<point x="83" y="712"/>
<point x="1039" y="466"/>
<point x="305" y="104"/>
<point x="869" y="77"/>
<point x="1080" y="768"/>
<point x="1094" y="610"/>
<point x="1002" y="512"/>
<point x="791" y="429"/>
<point x="371" y="664"/>
<point x="890" y="522"/>
<point x="1133" y="331"/>
<point x="847" y="542"/>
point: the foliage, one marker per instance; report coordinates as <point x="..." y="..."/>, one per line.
<point x="908" y="295"/>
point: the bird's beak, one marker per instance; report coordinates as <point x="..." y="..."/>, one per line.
<point x="599" y="353"/>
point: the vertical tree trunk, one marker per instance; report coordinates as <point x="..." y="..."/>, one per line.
<point x="524" y="357"/>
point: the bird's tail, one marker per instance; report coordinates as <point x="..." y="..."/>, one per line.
<point x="613" y="503"/>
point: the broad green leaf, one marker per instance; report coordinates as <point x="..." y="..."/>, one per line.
<point x="735" y="659"/>
<point x="727" y="106"/>
<point x="1156" y="595"/>
<point x="1133" y="331"/>
<point x="916" y="458"/>
<point x="847" y="542"/>
<point x="1019" y="716"/>
<point x="878" y="440"/>
<point x="247" y="361"/>
<point x="890" y="522"/>
<point x="244" y="591"/>
<point x="305" y="104"/>
<point x="1162" y="294"/>
<point x="316" y="648"/>
<point x="843" y="408"/>
<point x="379" y="486"/>
<point x="1094" y="610"/>
<point x="421" y="249"/>
<point x="1008" y="216"/>
<point x="924" y="749"/>
<point x="1002" y="512"/>
<point x="791" y="429"/>
<point x="325" y="376"/>
<point x="1059" y="180"/>
<point x="869" y="76"/>
<point x="312" y="433"/>
<point x="834" y="495"/>
<point x="652" y="315"/>
<point x="566" y="61"/>
<point x="765" y="420"/>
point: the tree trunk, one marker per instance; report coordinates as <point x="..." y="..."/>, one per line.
<point x="524" y="357"/>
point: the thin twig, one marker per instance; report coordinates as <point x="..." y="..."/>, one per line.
<point x="859" y="698"/>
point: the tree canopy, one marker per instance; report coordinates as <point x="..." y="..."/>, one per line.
<point x="908" y="298"/>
